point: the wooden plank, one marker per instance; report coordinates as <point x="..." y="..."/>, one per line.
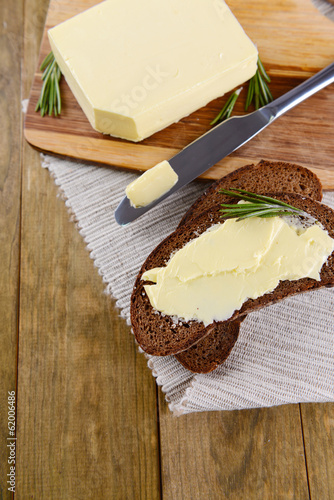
<point x="318" y="428"/>
<point x="232" y="455"/>
<point x="302" y="136"/>
<point x="11" y="27"/>
<point x="87" y="425"/>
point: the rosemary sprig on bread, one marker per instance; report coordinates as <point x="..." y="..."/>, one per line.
<point x="257" y="206"/>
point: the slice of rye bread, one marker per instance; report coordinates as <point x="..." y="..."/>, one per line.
<point x="210" y="352"/>
<point x="160" y="335"/>
<point x="266" y="176"/>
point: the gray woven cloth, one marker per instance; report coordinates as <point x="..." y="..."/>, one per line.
<point x="284" y="353"/>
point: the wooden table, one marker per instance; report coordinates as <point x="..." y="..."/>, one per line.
<point x="91" y="422"/>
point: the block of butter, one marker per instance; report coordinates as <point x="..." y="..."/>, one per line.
<point x="136" y="67"/>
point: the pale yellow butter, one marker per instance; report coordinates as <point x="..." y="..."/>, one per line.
<point x="136" y="67"/>
<point x="214" y="274"/>
<point x="151" y="185"/>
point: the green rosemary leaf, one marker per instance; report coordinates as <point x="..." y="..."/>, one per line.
<point x="260" y="197"/>
<point x="250" y="94"/>
<point x="268" y="91"/>
<point x="50" y="99"/>
<point x="246" y="206"/>
<point x="262" y="102"/>
<point x="239" y="194"/>
<point x="44" y="96"/>
<point x="257" y="206"/>
<point x="46" y="61"/>
<point x="58" y="97"/>
<point x="221" y="114"/>
<point x="264" y="213"/>
<point x="250" y="210"/>
<point x="48" y="70"/>
<point x="262" y="70"/>
<point x="226" y="112"/>
<point x="258" y="90"/>
<point x="263" y="90"/>
<point x="57" y="102"/>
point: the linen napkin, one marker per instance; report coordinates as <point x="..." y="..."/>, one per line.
<point x="284" y="353"/>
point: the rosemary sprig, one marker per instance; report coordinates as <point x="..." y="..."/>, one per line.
<point x="258" y="89"/>
<point x="258" y="93"/>
<point x="50" y="100"/>
<point x="257" y="206"/>
<point x="228" y="107"/>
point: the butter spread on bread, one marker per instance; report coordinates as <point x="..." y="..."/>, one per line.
<point x="215" y="273"/>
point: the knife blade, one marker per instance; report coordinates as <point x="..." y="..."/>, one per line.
<point x="225" y="138"/>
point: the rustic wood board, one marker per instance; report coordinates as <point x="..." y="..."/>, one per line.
<point x="295" y="41"/>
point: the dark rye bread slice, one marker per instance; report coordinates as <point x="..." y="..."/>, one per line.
<point x="159" y="335"/>
<point x="213" y="350"/>
<point x="261" y="178"/>
<point x="210" y="352"/>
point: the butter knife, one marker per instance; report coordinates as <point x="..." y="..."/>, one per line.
<point x="225" y="138"/>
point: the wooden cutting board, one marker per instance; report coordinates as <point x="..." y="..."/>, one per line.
<point x="294" y="40"/>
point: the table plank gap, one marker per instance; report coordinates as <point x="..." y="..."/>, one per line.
<point x="304" y="445"/>
<point x="318" y="429"/>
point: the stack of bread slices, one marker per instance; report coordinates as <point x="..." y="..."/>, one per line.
<point x="201" y="348"/>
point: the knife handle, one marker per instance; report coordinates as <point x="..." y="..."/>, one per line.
<point x="302" y="91"/>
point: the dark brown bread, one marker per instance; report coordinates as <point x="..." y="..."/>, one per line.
<point x="210" y="352"/>
<point x="159" y="335"/>
<point x="278" y="177"/>
<point x="213" y="350"/>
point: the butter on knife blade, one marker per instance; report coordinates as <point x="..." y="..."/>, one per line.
<point x="151" y="185"/>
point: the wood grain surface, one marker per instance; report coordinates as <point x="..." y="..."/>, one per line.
<point x="90" y="423"/>
<point x="294" y="40"/>
<point x="88" y="407"/>
<point x="254" y="454"/>
<point x="81" y="437"/>
<point x="11" y="27"/>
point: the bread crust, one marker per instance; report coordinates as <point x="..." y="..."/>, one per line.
<point x="213" y="350"/>
<point x="261" y="178"/>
